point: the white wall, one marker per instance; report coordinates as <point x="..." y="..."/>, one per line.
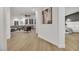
<point x="47" y="31"/>
<point x="61" y="27"/>
<point x="53" y="33"/>
<point x="7" y="19"/>
<point x="4" y="27"/>
<point x="3" y="41"/>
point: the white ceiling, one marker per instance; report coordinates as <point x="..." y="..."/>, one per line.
<point x="70" y="10"/>
<point x="21" y="11"/>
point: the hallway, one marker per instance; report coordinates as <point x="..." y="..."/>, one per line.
<point x="32" y="16"/>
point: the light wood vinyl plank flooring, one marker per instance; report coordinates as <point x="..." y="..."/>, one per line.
<point x="23" y="41"/>
<point x="72" y="42"/>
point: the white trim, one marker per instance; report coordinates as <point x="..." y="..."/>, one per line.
<point x="48" y="40"/>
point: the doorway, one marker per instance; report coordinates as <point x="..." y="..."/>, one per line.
<point x="23" y="26"/>
<point x="72" y="28"/>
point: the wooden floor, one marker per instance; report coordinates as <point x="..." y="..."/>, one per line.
<point x="23" y="41"/>
<point x="72" y="42"/>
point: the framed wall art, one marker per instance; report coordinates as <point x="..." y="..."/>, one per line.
<point x="47" y="16"/>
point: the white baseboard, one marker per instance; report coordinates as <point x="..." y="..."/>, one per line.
<point x="61" y="46"/>
<point x="8" y="37"/>
<point x="48" y="40"/>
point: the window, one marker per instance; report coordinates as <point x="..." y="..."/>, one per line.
<point x="30" y="21"/>
<point x="16" y="23"/>
<point x="26" y="21"/>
